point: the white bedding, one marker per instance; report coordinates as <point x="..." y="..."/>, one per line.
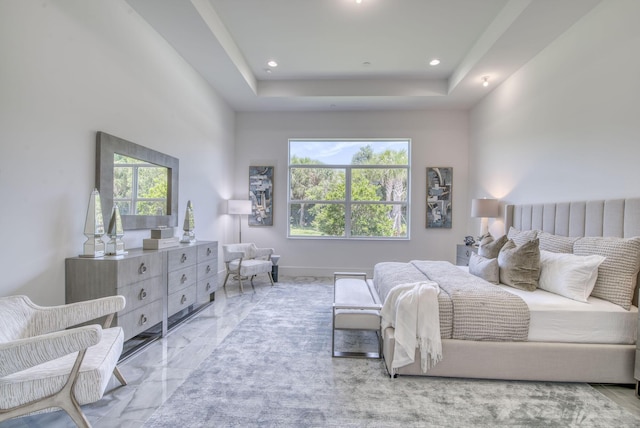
<point x="557" y="319"/>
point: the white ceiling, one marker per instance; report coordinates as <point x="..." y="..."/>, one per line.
<point x="340" y="55"/>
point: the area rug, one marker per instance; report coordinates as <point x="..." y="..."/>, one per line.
<point x="275" y="370"/>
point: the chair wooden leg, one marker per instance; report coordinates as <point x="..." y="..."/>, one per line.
<point x="270" y="278"/>
<point x="119" y="376"/>
<point x="75" y="412"/>
<point x="240" y="281"/>
<point x="63" y="399"/>
<point x="225" y="280"/>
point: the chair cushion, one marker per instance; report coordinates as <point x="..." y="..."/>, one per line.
<point x="251" y="267"/>
<point x="356" y="319"/>
<point x="48" y="378"/>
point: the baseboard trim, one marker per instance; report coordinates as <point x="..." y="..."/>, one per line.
<point x="320" y="271"/>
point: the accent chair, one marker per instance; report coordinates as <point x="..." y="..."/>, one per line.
<point x="246" y="261"/>
<point x="45" y="364"/>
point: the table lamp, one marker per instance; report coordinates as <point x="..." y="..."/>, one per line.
<point x="484" y="209"/>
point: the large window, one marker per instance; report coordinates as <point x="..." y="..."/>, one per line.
<point x="349" y="188"/>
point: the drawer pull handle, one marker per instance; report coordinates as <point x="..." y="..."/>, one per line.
<point x="208" y="251"/>
<point x="142" y="269"/>
<point x="468" y="253"/>
<point x="183" y="299"/>
<point x="143" y="319"/>
<point x="183" y="258"/>
<point x="208" y="269"/>
<point x="208" y="286"/>
<point x="183" y="279"/>
<point x="143" y="294"/>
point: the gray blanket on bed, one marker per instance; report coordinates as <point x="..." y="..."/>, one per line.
<point x="470" y="307"/>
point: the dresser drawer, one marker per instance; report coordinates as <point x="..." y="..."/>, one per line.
<point x="208" y="253"/>
<point x="135" y="269"/>
<point x="182" y="257"/>
<point x="205" y="288"/>
<point x="206" y="270"/>
<point x="181" y="299"/>
<point x="141" y="293"/>
<point x="140" y="319"/>
<point x="182" y="278"/>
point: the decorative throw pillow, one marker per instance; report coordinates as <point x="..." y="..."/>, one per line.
<point x="490" y="247"/>
<point x="484" y="268"/>
<point x="520" y="237"/>
<point x="520" y="265"/>
<point x="556" y="243"/>
<point x="569" y="275"/>
<point x="617" y="275"/>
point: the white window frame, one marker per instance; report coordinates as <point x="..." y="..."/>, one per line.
<point x="348" y="168"/>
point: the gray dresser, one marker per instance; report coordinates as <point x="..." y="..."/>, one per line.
<point x="162" y="287"/>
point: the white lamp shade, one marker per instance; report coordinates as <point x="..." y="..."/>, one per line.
<point x="239" y="206"/>
<point x="485" y="208"/>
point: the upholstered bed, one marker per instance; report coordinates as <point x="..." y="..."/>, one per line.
<point x="567" y="340"/>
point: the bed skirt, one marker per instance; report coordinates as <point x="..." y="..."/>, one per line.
<point x="534" y="361"/>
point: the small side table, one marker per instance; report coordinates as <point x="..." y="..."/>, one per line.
<point x="463" y="254"/>
<point x="274" y="268"/>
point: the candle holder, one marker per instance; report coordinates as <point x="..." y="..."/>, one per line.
<point x="94" y="228"/>
<point x="189" y="236"/>
<point x="115" y="246"/>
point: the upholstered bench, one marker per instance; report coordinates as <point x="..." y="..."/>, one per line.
<point x="356" y="306"/>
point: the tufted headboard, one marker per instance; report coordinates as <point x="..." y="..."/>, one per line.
<point x="614" y="217"/>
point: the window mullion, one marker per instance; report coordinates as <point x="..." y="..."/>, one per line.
<point x="347" y="202"/>
<point x="134" y="189"/>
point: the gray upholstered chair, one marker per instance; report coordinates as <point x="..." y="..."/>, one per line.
<point x="45" y="364"/>
<point x="246" y="261"/>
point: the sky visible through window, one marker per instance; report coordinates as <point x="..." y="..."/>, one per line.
<point x="340" y="152"/>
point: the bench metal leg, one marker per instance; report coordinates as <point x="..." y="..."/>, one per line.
<point x="349" y="354"/>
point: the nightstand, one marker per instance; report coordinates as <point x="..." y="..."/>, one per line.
<point x="463" y="254"/>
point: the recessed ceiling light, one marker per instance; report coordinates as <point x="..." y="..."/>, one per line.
<point x="485" y="81"/>
<point x="358" y="1"/>
<point x="434" y="61"/>
<point x="272" y="63"/>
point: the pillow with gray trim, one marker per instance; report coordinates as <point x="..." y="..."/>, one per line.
<point x="520" y="265"/>
<point x="484" y="268"/>
<point x="618" y="273"/>
<point x="490" y="247"/>
<point x="520" y="237"/>
<point x="556" y="243"/>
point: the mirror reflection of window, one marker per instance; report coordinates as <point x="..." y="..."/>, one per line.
<point x="139" y="187"/>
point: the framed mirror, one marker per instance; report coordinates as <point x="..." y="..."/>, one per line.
<point x="141" y="181"/>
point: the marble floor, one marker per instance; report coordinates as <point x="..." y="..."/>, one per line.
<point x="156" y="372"/>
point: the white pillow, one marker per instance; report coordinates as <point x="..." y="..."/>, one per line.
<point x="569" y="275"/>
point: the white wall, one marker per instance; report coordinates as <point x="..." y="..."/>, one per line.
<point x="438" y="139"/>
<point x="74" y="67"/>
<point x="567" y="125"/>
